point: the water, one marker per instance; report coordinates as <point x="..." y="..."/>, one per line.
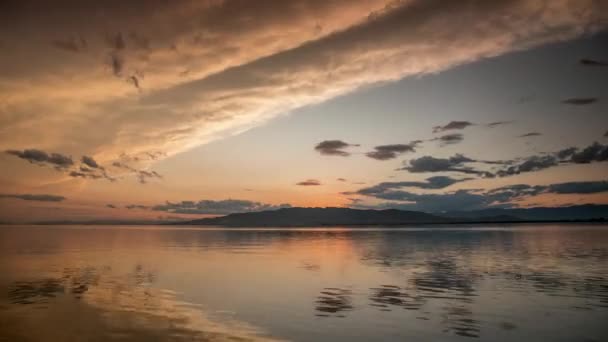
<point x="500" y="283"/>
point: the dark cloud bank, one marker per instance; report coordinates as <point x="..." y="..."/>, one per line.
<point x="36" y="197"/>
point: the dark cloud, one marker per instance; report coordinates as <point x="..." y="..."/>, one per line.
<point x="137" y="206"/>
<point x="85" y="174"/>
<point x="309" y="182"/>
<point x="452" y="125"/>
<point x="449" y="139"/>
<point x="90" y="162"/>
<point x="333" y="148"/>
<point x="506" y="196"/>
<point x="143" y="175"/>
<point x="111" y="206"/>
<point x="386" y="152"/>
<point x="437" y="182"/>
<point x="40" y="157"/>
<point x="580" y="101"/>
<point x="211" y="207"/>
<point x="595" y="152"/>
<point x="579" y="187"/>
<point x="531" y="134"/>
<point x="593" y="62"/>
<point x="534" y="163"/>
<point x="341" y="179"/>
<point x="455" y="163"/>
<point x="31" y="197"/>
<point x="498" y="123"/>
<point x="458" y="200"/>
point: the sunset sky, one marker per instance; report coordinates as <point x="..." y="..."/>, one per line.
<point x="164" y="109"/>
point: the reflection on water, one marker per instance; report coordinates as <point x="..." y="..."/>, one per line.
<point x="334" y="301"/>
<point x="169" y="283"/>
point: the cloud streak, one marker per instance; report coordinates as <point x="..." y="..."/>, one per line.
<point x="211" y="207"/>
<point x="229" y="90"/>
<point x="35" y="197"/>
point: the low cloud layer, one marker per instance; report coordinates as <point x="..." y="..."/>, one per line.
<point x="431" y="183"/>
<point x="211" y="207"/>
<point x="36" y="197"/>
<point x="502" y="197"/>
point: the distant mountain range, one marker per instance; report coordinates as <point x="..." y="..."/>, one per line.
<point x="314" y="217"/>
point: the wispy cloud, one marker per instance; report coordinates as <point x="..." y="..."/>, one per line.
<point x="35" y="197"/>
<point x="580" y="101"/>
<point x="593" y="62"/>
<point x="229" y="90"/>
<point x="530" y="135"/>
<point x="452" y="125"/>
<point x="309" y="182"/>
<point x="449" y="139"/>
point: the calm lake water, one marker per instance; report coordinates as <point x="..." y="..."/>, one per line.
<point x="499" y="283"/>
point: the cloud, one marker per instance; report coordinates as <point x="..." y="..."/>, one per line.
<point x="595" y="152"/>
<point x="590" y="187"/>
<point x="506" y="196"/>
<point x="531" y="134"/>
<point x="137" y="206"/>
<point x="111" y="206"/>
<point x="534" y="163"/>
<point x="580" y="101"/>
<point x="437" y="182"/>
<point x="449" y="139"/>
<point x="143" y="176"/>
<point x="241" y="76"/>
<point x="90" y="162"/>
<point x="452" y="125"/>
<point x="341" y="179"/>
<point x="40" y="157"/>
<point x="593" y="62"/>
<point x="386" y="152"/>
<point x="212" y="207"/>
<point x="309" y="182"/>
<point x="498" y="123"/>
<point x="333" y="148"/>
<point x="456" y="163"/>
<point x="38" y="197"/>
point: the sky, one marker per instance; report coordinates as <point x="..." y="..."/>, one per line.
<point x="184" y="109"/>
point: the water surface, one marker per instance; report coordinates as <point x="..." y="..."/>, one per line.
<point x="498" y="283"/>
